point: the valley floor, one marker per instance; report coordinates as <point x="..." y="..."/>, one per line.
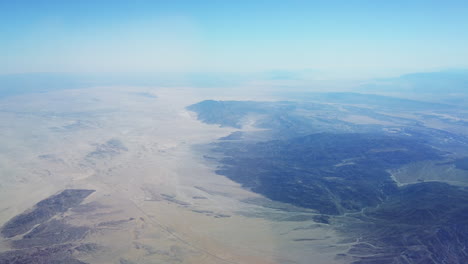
<point x="156" y="199"/>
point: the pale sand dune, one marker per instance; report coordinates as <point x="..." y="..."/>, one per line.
<point x="157" y="201"/>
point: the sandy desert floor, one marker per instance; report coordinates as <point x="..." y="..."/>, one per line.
<point x="156" y="199"/>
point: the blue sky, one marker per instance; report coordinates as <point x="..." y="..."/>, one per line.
<point x="347" y="39"/>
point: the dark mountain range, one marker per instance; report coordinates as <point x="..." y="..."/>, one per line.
<point x="311" y="157"/>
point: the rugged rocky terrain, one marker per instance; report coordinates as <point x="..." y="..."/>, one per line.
<point x="338" y="159"/>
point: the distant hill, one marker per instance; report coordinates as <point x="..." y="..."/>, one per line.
<point x="436" y="83"/>
<point x="368" y="99"/>
<point x="14" y="84"/>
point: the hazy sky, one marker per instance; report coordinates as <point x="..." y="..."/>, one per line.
<point x="339" y="38"/>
